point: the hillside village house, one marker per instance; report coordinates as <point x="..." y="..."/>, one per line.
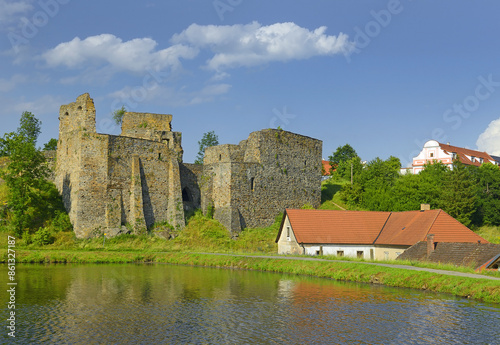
<point x="367" y="234"/>
<point x="446" y="154"/>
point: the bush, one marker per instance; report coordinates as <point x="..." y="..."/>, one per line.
<point x="61" y="222"/>
<point x="43" y="237"/>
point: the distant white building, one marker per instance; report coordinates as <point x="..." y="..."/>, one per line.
<point x="445" y="153"/>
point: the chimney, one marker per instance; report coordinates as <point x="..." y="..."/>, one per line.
<point x="430" y="244"/>
<point x="425" y="207"/>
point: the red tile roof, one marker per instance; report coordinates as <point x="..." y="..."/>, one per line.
<point x="369" y="227"/>
<point x="327" y="167"/>
<point x="463" y="152"/>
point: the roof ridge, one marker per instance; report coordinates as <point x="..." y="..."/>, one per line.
<point x="383" y="227"/>
<point x="432" y="223"/>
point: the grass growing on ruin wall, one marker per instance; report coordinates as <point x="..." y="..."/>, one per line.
<point x="481" y="289"/>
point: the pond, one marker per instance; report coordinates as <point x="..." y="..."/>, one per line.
<point x="166" y="304"/>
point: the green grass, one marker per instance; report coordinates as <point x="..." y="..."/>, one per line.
<point x="490" y="233"/>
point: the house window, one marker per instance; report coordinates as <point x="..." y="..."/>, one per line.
<point x="288" y="233"/>
<point x="340" y="253"/>
<point x="386" y="255"/>
<point x="360" y="254"/>
<point x="398" y="254"/>
<point x="472" y="159"/>
<point x="431" y="154"/>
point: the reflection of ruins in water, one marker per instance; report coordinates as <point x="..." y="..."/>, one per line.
<point x="165" y="304"/>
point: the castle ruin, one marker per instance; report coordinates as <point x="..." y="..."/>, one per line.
<point x="137" y="178"/>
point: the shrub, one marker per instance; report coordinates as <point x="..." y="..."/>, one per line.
<point x="43" y="237"/>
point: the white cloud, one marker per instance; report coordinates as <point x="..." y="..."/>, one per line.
<point x="136" y="55"/>
<point x="10" y="84"/>
<point x="489" y="140"/>
<point x="254" y="44"/>
<point x="12" y="10"/>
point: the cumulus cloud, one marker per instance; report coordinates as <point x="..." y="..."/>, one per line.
<point x="489" y="140"/>
<point x="136" y="55"/>
<point x="254" y="44"/>
<point x="11" y="10"/>
<point x="231" y="46"/>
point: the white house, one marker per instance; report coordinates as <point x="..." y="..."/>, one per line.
<point x="366" y="234"/>
<point x="446" y="154"/>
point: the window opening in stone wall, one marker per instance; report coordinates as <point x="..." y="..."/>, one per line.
<point x="166" y="141"/>
<point x="66" y="113"/>
<point x="252" y="184"/>
<point x="186" y="195"/>
<point x="359" y="253"/>
<point x="159" y="156"/>
<point x="220" y="158"/>
<point x="79" y="107"/>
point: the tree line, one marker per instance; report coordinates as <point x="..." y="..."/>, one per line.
<point x="468" y="193"/>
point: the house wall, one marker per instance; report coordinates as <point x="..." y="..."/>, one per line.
<point x="332" y="249"/>
<point x="431" y="152"/>
<point x="288" y="245"/>
<point x="388" y="252"/>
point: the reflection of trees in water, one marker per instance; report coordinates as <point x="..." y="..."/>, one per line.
<point x="165" y="304"/>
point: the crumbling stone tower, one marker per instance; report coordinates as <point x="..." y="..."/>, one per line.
<point x="109" y="181"/>
<point x="250" y="183"/>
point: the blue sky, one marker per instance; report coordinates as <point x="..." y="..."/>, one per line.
<point x="383" y="76"/>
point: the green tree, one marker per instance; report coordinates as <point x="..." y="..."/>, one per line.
<point x="488" y="190"/>
<point x="208" y="139"/>
<point x="51" y="145"/>
<point x="341" y="155"/>
<point x="29" y="127"/>
<point x="25" y="177"/>
<point x="459" y="193"/>
<point x="118" y="115"/>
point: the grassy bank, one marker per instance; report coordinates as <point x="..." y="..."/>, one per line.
<point x="480" y="289"/>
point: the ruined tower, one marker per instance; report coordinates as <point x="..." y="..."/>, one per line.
<point x="109" y="182"/>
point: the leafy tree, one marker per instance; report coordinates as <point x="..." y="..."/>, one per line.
<point x="118" y="115"/>
<point x="342" y="154"/>
<point x="24" y="176"/>
<point x="208" y="139"/>
<point x="459" y="194"/>
<point x="488" y="190"/>
<point x="29" y="127"/>
<point x="51" y="145"/>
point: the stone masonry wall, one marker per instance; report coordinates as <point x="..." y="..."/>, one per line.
<point x="108" y="181"/>
<point x="250" y="183"/>
<point x="138" y="178"/>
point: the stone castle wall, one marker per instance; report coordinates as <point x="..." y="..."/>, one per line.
<point x="109" y="181"/>
<point x="250" y="183"/>
<point x="138" y="179"/>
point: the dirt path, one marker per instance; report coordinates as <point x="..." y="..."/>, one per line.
<point x="405" y="267"/>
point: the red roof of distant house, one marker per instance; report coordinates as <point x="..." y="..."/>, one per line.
<point x="463" y="153"/>
<point x="326" y="167"/>
<point x="369" y="227"/>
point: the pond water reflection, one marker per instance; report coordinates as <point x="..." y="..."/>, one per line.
<point x="164" y="304"/>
